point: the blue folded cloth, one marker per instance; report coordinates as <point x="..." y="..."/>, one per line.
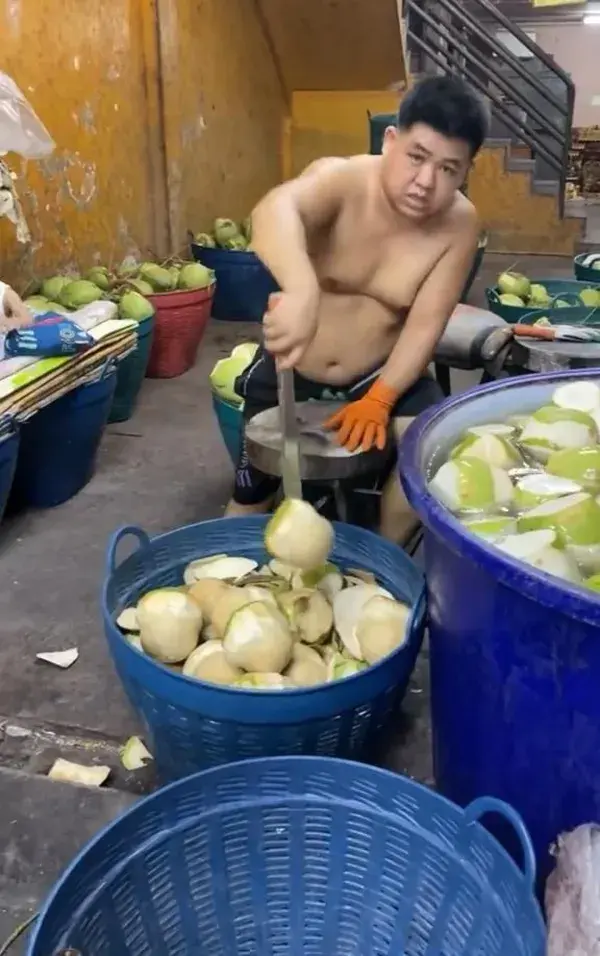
<point x="50" y="336"/>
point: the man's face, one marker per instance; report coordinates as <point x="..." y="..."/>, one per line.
<point x="422" y="170"/>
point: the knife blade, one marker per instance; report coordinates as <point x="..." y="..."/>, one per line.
<point x="290" y="433"/>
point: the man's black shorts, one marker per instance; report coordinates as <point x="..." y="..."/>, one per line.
<point x="257" y="385"/>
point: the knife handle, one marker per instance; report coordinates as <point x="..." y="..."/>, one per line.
<point x="534" y="332"/>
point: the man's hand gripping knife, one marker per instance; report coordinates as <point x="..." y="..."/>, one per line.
<point x="364" y="423"/>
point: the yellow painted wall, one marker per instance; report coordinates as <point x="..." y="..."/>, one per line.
<point x="331" y="123"/>
<point x="165" y="114"/>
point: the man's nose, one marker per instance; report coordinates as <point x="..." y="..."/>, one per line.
<point x="426" y="176"/>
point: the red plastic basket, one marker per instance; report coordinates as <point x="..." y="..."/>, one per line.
<point x="179" y="324"/>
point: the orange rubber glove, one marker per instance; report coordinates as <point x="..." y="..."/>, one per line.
<point x="364" y="423"/>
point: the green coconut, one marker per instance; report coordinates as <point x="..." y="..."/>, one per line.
<point x="159" y="278"/>
<point x="590" y="298"/>
<point x="225" y="229"/>
<point x="79" y="293"/>
<point x="37" y="303"/>
<point x="128" y="267"/>
<point x="195" y="276"/>
<point x="205" y="239"/>
<point x="100" y="277"/>
<point x="513" y="301"/>
<point x="513" y="283"/>
<point x="52" y="288"/>
<point x="235" y="244"/>
<point x="141" y="286"/>
<point x="134" y="306"/>
<point x="539" y="296"/>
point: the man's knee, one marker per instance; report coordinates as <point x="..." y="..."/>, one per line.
<point x="400" y="425"/>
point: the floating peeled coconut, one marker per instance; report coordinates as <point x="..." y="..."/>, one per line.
<point x="309" y="614"/>
<point x="513" y="283"/>
<point x="298" y="535"/>
<point x="470" y="484"/>
<point x="552" y="428"/>
<point x="581" y="396"/>
<point x="532" y="490"/>
<point x="492" y="528"/>
<point x="576" y="522"/>
<point x="581" y="465"/>
<point x="170" y="622"/>
<point x="382" y="626"/>
<point x="209" y="662"/>
<point x="307" y="667"/>
<point x="537" y="548"/>
<point x="259" y="639"/>
<point x="494" y="449"/>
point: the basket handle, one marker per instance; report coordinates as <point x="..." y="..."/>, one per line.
<point x="417" y="617"/>
<point x="493" y="295"/>
<point x="484" y="805"/>
<point x="124" y="532"/>
<point x="569" y="297"/>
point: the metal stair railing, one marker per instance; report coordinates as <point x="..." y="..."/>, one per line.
<point x="457" y="41"/>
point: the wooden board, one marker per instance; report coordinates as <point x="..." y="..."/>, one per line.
<point x="336" y="44"/>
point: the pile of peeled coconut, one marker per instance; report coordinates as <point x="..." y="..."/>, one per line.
<point x="295" y="622"/>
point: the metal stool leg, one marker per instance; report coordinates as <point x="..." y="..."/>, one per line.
<point x="442" y="374"/>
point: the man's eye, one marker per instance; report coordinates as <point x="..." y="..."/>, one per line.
<point x="450" y="170"/>
<point x="415" y="158"/>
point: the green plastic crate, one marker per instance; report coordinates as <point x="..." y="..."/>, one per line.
<point x="585" y="273"/>
<point x="131" y="373"/>
<point x="559" y="289"/>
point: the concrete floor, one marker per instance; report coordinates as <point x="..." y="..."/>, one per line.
<point x="164" y="468"/>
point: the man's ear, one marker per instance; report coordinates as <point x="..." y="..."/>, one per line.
<point x="389" y="137"/>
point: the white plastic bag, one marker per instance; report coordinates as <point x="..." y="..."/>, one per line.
<point x="573" y="894"/>
<point x="20" y="129"/>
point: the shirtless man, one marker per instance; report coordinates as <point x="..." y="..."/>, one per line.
<point x="371" y="255"/>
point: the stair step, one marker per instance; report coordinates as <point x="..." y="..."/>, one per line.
<point x="518" y="164"/>
<point x="546" y="187"/>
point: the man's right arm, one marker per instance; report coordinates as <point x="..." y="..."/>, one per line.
<point x="287" y="215"/>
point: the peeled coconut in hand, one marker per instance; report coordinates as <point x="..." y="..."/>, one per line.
<point x="552" y="428"/>
<point x="298" y="535"/>
<point x="469" y="484"/>
<point x="169" y="622"/>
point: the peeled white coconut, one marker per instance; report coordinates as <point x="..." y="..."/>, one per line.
<point x="382" y="626"/>
<point x="514" y="283"/>
<point x="281" y="570"/>
<point x="502" y="429"/>
<point x="576" y="521"/>
<point x="492" y="528"/>
<point x="207" y="593"/>
<point x="127" y="620"/>
<point x="581" y="396"/>
<point x="307" y="667"/>
<point x="469" y="484"/>
<point x="66" y="771"/>
<point x="170" y="623"/>
<point x="347" y="609"/>
<point x="342" y="667"/>
<point x="259" y="639"/>
<point x="537" y="549"/>
<point x="532" y="490"/>
<point x="496" y="450"/>
<point x="298" y="535"/>
<point x="265" y="682"/>
<point x="309" y="614"/>
<point x="552" y="429"/>
<point x="209" y="662"/>
<point x="327" y="579"/>
<point x="221" y="566"/>
<point x="232" y="600"/>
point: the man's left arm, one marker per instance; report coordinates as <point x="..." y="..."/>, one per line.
<point x="364" y="423"/>
<point x="430" y="313"/>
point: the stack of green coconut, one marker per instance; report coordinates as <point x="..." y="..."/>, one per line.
<point x="518" y="291"/>
<point x="128" y="286"/>
<point x="227" y="234"/>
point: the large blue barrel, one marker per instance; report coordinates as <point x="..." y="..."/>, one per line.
<point x="515" y="654"/>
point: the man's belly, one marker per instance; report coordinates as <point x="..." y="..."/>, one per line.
<point x="355" y="335"/>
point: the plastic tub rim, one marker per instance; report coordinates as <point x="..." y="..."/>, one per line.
<point x="542" y="588"/>
<point x="258" y="762"/>
<point x="412" y="645"/>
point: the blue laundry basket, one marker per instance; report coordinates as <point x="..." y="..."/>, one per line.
<point x="243" y="283"/>
<point x="59" y="445"/>
<point x="193" y="725"/>
<point x="9" y="450"/>
<point x="297" y="856"/>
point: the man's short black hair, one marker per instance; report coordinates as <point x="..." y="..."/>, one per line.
<point x="449" y="106"/>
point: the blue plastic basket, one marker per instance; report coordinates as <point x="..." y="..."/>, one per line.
<point x="230" y="421"/>
<point x="243" y="283"/>
<point x="9" y="450"/>
<point x="59" y="445"/>
<point x="296" y="857"/>
<point x="194" y="725"/>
